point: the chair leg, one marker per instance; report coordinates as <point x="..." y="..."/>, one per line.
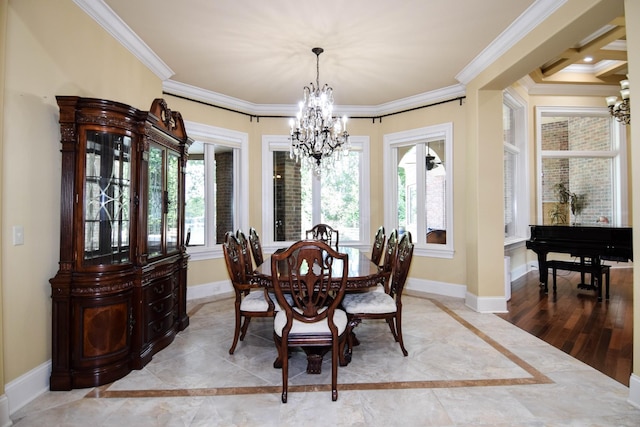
<point x="245" y="326"/>
<point x="350" y="338"/>
<point x="334" y="370"/>
<point x="341" y="351"/>
<point x="392" y="328"/>
<point x="399" y="331"/>
<point x="283" y="351"/>
<point x="236" y="332"/>
<point x="285" y="376"/>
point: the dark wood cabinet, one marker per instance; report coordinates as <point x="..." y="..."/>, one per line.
<point x="119" y="295"/>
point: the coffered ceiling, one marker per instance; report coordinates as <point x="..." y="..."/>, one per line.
<point x="599" y="59"/>
<point x="378" y="54"/>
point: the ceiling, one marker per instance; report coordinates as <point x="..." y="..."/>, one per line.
<point x="377" y="54"/>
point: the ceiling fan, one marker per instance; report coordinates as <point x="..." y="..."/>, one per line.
<point x="431" y="160"/>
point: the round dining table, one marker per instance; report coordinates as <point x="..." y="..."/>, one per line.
<point x="363" y="274"/>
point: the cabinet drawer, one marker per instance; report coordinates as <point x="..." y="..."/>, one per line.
<point x="159" y="308"/>
<point x="160" y="326"/>
<point x="158" y="289"/>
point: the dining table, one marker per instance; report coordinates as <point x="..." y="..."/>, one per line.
<point x="362" y="275"/>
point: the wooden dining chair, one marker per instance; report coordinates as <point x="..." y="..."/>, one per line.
<point x="256" y="247"/>
<point x="382" y="305"/>
<point x="378" y="246"/>
<point x="251" y="300"/>
<point x="324" y="233"/>
<point x="390" y="253"/>
<point x="312" y="318"/>
<point x="246" y="252"/>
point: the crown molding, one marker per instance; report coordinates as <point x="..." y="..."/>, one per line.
<point x="525" y="23"/>
<point x="173" y="87"/>
<point x="114" y="25"/>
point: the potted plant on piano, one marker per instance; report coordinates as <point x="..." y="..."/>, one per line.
<point x="566" y="198"/>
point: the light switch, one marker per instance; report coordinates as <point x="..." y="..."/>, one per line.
<point x="18" y="235"/>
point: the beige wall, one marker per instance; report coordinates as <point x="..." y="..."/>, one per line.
<point x="54" y="48"/>
<point x="632" y="8"/>
<point x="4" y="8"/>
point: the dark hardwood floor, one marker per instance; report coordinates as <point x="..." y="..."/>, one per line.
<point x="597" y="333"/>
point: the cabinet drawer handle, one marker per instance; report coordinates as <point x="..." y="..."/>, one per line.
<point x="158" y="308"/>
<point x="159" y="289"/>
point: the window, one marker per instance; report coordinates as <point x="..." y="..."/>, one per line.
<point x="582" y="167"/>
<point x="418" y="176"/>
<point x="516" y="188"/>
<point x="295" y="199"/>
<point x="216" y="187"/>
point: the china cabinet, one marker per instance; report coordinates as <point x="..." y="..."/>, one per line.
<point x="119" y="295"/>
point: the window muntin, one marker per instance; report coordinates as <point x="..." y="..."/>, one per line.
<point x="582" y="149"/>
<point x="418" y="170"/>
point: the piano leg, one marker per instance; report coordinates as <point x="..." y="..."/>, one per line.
<point x="544" y="271"/>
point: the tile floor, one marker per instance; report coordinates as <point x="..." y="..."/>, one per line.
<point x="464" y="368"/>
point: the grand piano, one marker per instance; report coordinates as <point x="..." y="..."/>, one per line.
<point x="594" y="243"/>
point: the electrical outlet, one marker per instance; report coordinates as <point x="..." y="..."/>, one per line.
<point x="18" y="235"/>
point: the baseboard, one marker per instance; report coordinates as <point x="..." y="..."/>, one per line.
<point x="208" y="290"/>
<point x="5" y="420"/>
<point x="433" y="287"/>
<point x="481" y="305"/>
<point x="27" y="387"/>
<point x="486" y="304"/>
<point x="634" y="390"/>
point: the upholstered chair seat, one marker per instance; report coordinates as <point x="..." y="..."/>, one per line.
<point x="298" y="327"/>
<point x="255" y="301"/>
<point x="369" y="302"/>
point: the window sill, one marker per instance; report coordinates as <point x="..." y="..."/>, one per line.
<point x="514" y="242"/>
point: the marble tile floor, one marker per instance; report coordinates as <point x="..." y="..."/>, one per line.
<point x="464" y="369"/>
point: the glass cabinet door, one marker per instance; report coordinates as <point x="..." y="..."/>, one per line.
<point x="171" y="230"/>
<point x="163" y="209"/>
<point x="155" y="202"/>
<point x="107" y="198"/>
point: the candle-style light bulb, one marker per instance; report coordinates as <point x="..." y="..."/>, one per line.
<point x="611" y="100"/>
<point x="625" y="93"/>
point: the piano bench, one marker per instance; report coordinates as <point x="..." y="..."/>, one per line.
<point x="583" y="267"/>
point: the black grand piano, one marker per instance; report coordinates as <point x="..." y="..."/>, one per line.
<point x="594" y="243"/>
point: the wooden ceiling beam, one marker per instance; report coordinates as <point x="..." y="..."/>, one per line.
<point x="573" y="55"/>
<point x="610" y="71"/>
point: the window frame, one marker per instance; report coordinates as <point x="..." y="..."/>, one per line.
<point x="618" y="154"/>
<point x="271" y="143"/>
<point x="520" y="149"/>
<point x="422" y="135"/>
<point x="239" y="142"/>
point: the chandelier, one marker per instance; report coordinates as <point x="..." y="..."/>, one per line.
<point x="316" y="136"/>
<point x="621" y="110"/>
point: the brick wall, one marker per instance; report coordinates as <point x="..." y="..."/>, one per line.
<point x="287" y="204"/>
<point x="224" y="194"/>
